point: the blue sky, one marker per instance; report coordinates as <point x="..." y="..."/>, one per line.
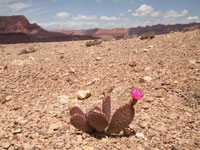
<point x="88" y="14"/>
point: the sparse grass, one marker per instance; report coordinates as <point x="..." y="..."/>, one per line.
<point x="192" y="28"/>
<point x="149" y="35"/>
<point x="93" y="43"/>
<point x="25" y="51"/>
<point x="107" y="38"/>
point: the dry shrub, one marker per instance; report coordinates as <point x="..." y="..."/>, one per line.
<point x="25" y="51"/>
<point x="192" y="94"/>
<point x="107" y="38"/>
<point x="93" y="43"/>
<point x="149" y="35"/>
<point x="129" y="36"/>
<point x="192" y="28"/>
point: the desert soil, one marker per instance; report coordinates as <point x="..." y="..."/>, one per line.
<point x="38" y="89"/>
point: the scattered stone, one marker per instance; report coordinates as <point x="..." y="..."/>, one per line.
<point x="147" y="68"/>
<point x="87" y="148"/>
<point x="140" y="136"/>
<point x="17" y="131"/>
<point x="54" y="127"/>
<point x="2" y="98"/>
<point x="5" y="145"/>
<point x="17" y="107"/>
<point x="29" y="146"/>
<point x="8" y="98"/>
<point x="144" y="124"/>
<point x="145" y="79"/>
<point x="146" y="106"/>
<point x="132" y="64"/>
<point x="150" y="46"/>
<point x="93" y="81"/>
<point x="172" y="116"/>
<point x="198" y="60"/>
<point x="63" y="99"/>
<point x="192" y="61"/>
<point x="98" y="58"/>
<point x="83" y="94"/>
<point x="145" y="50"/>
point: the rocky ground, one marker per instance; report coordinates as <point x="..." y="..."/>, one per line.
<point x="37" y="89"/>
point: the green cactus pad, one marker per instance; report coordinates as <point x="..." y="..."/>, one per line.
<point x="76" y="110"/>
<point x="97" y="120"/>
<point x="80" y="122"/>
<point x="121" y="119"/>
<point x="106" y="107"/>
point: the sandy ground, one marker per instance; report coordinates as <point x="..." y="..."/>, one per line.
<point x="38" y="89"/>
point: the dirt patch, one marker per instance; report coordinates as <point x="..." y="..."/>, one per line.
<point x="38" y="89"/>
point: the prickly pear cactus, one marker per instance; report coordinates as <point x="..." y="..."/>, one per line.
<point x="98" y="119"/>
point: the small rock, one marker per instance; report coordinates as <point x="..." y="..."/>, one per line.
<point x="98" y="58"/>
<point x="83" y="94"/>
<point x="93" y="81"/>
<point x="144" y="124"/>
<point x="60" y="145"/>
<point x="5" y="145"/>
<point x="17" y="107"/>
<point x="63" y="99"/>
<point x="22" y="121"/>
<point x="2" y="98"/>
<point x="17" y="131"/>
<point x="146" y="106"/>
<point x="150" y="47"/>
<point x="132" y="64"/>
<point x="146" y="79"/>
<point x="147" y="68"/>
<point x="172" y="116"/>
<point x="8" y="98"/>
<point x="140" y="136"/>
<point x="29" y="146"/>
<point x="54" y="127"/>
<point x="198" y="60"/>
<point x="192" y="61"/>
<point x="145" y="50"/>
<point x="87" y="148"/>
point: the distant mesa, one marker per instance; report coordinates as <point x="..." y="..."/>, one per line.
<point x="121" y="32"/>
<point x="17" y="29"/>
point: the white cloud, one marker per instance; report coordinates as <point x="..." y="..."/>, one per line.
<point x="143" y="10"/>
<point x="3" y="1"/>
<point x="121" y="14"/>
<point x="109" y="18"/>
<point x="115" y="0"/>
<point x="156" y="14"/>
<point x="129" y="10"/>
<point x="193" y="19"/>
<point x="82" y="17"/>
<point x="69" y="25"/>
<point x="62" y="15"/>
<point x="131" y="1"/>
<point x="19" y="6"/>
<point x="98" y="1"/>
<point x="171" y="14"/>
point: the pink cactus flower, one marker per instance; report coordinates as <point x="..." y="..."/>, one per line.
<point x="136" y="93"/>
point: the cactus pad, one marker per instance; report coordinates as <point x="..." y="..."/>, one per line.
<point x="121" y="119"/>
<point x="76" y="110"/>
<point x="97" y="120"/>
<point x="80" y="122"/>
<point x="106" y="107"/>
